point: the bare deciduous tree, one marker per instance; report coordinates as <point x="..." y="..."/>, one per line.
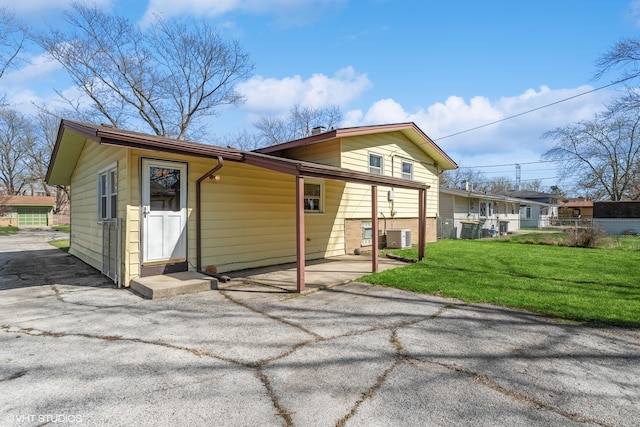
<point x="12" y="39"/>
<point x="45" y="132"/>
<point x="299" y="123"/>
<point x="602" y="154"/>
<point x="624" y="55"/>
<point x="169" y="76"/>
<point x="456" y="177"/>
<point x="15" y="139"/>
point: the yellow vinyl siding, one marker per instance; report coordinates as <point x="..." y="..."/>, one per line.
<point x="86" y="232"/>
<point x="249" y="220"/>
<point x="248" y="216"/>
<point x="394" y="148"/>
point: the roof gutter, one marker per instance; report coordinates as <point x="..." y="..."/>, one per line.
<point x="209" y="174"/>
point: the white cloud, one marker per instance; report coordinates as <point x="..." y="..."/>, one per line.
<point x="513" y="140"/>
<point x="278" y="95"/>
<point x="36" y="69"/>
<point x="209" y="8"/>
<point x="634" y="12"/>
<point x="35" y="84"/>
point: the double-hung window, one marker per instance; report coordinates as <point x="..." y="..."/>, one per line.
<point x="313" y="197"/>
<point x="108" y="193"/>
<point x="407" y="170"/>
<point x="376" y="164"/>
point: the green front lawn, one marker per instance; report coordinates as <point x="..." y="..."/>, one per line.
<point x="62" y="244"/>
<point x="5" y="231"/>
<point x="64" y="228"/>
<point x="593" y="286"/>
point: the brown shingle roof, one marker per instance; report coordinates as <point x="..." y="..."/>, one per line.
<point x="72" y="134"/>
<point x="27" y="200"/>
<point x="575" y="204"/>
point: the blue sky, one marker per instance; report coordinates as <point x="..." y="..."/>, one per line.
<point x="447" y="65"/>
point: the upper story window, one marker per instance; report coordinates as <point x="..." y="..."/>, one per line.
<point x="313" y="197"/>
<point x="376" y="164"/>
<point x="108" y="193"/>
<point x="407" y="170"/>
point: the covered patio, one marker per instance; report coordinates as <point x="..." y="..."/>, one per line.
<point x="319" y="274"/>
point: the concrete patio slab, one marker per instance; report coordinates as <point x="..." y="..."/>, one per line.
<point x="319" y="274"/>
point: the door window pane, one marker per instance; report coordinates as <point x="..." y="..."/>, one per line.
<point x="164" y="189"/>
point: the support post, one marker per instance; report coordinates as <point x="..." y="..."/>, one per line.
<point x="422" y="222"/>
<point x="374" y="228"/>
<point x="300" y="248"/>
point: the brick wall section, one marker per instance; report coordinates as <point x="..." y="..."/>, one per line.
<point x="61" y="219"/>
<point x="353" y="231"/>
<point x="8" y="222"/>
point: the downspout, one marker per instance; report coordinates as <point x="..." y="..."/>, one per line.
<point x="199" y="212"/>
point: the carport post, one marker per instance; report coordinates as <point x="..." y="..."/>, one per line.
<point x="422" y="222"/>
<point x="300" y="233"/>
<point x="374" y="228"/>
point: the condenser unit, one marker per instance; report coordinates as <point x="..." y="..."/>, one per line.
<point x="399" y="239"/>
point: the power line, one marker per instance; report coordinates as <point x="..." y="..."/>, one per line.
<point x="507" y="164"/>
<point x="535" y="109"/>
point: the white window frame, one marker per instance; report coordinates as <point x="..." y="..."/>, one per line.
<point x="483" y="209"/>
<point x="406" y="175"/>
<point x="374" y="169"/>
<point x="320" y="198"/>
<point x="367" y="233"/>
<point x="107" y="194"/>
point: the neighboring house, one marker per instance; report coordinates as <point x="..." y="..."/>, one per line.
<point x="26" y="211"/>
<point x="575" y="209"/>
<point x="538" y="209"/>
<point x="144" y="205"/>
<point x="493" y="213"/>
<point x="536" y="196"/>
<point x="617" y="218"/>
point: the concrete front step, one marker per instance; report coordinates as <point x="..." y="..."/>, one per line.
<point x="168" y="285"/>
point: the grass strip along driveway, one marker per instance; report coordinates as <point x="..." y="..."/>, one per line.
<point x="589" y="286"/>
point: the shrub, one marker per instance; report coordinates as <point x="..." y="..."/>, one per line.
<point x="584" y="237"/>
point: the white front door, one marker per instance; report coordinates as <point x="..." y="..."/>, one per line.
<point x="164" y="211"/>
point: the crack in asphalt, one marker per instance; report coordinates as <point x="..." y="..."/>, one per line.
<point x="265" y="314"/>
<point x="60" y="297"/>
<point x="402" y="357"/>
<point x="489" y="382"/>
<point x="285" y="413"/>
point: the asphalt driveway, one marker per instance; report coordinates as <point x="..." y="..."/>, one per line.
<point x="75" y="350"/>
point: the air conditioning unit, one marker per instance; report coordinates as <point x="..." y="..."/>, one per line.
<point x="399" y="239"/>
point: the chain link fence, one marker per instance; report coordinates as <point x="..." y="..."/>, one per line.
<point x="448" y="227"/>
